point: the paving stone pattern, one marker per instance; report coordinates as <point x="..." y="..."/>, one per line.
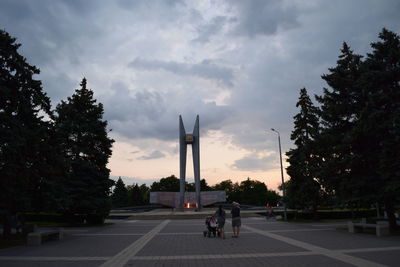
<point x="181" y="243"/>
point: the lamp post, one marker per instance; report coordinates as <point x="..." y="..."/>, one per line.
<point x="283" y="182"/>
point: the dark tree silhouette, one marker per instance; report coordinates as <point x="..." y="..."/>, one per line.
<point x="120" y="196"/>
<point x="303" y="189"/>
<point x="249" y="191"/>
<point x="339" y="112"/>
<point x="228" y="187"/>
<point x="145" y="191"/>
<point x="135" y="195"/>
<point x="23" y="132"/>
<point x="359" y="139"/>
<point x="377" y="136"/>
<point x="85" y="142"/>
<point x="167" y="184"/>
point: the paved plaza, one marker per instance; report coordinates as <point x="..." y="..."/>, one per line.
<point x="181" y="243"/>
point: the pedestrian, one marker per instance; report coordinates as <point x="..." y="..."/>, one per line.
<point x="269" y="210"/>
<point x="236" y="221"/>
<point x="220" y="215"/>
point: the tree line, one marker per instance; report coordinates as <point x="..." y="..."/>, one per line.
<point x="251" y="192"/>
<point x="50" y="160"/>
<point x="347" y="148"/>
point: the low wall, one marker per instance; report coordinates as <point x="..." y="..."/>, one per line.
<point x="171" y="199"/>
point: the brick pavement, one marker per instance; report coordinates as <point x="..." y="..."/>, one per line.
<point x="181" y="243"/>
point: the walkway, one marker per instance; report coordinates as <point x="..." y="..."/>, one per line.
<point x="181" y="243"/>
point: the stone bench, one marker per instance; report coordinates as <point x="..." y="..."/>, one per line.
<point x="381" y="228"/>
<point x="38" y="237"/>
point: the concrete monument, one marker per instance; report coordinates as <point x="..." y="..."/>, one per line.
<point x="184" y="199"/>
<point x="185" y="140"/>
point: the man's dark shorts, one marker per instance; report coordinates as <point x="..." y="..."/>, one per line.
<point x="236" y="222"/>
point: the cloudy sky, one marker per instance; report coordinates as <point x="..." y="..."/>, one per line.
<point x="238" y="64"/>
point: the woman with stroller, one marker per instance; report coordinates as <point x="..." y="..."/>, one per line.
<point x="220" y="215"/>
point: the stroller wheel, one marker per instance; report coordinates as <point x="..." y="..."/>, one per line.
<point x="204" y="233"/>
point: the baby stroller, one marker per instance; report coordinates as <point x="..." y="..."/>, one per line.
<point x="211" y="225"/>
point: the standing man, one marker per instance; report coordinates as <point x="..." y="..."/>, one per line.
<point x="236" y="221"/>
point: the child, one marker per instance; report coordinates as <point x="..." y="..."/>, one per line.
<point x="211" y="226"/>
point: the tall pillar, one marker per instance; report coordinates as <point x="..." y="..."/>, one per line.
<point x="182" y="162"/>
<point x="196" y="160"/>
<point x="184" y="140"/>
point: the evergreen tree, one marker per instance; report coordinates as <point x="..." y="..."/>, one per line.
<point x="167" y="184"/>
<point x="23" y="132"/>
<point x="119" y="196"/>
<point x="49" y="192"/>
<point x="84" y="138"/>
<point x="135" y="195"/>
<point x="145" y="191"/>
<point x="303" y="190"/>
<point x="359" y="141"/>
<point x="204" y="186"/>
<point x="377" y="137"/>
<point x="339" y="113"/>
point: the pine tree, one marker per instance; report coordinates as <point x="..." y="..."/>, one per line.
<point x="303" y="189"/>
<point x="23" y="132"/>
<point x="378" y="133"/>
<point x="85" y="142"/>
<point x="359" y="142"/>
<point x="135" y="195"/>
<point x="204" y="186"/>
<point x="119" y="196"/>
<point x="145" y="191"/>
<point x="339" y="113"/>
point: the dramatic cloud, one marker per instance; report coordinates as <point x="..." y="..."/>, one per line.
<point x="146" y="114"/>
<point x="238" y="64"/>
<point x="205" y="69"/>
<point x="264" y="17"/>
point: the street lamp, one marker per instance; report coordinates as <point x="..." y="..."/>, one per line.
<point x="283" y="182"/>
